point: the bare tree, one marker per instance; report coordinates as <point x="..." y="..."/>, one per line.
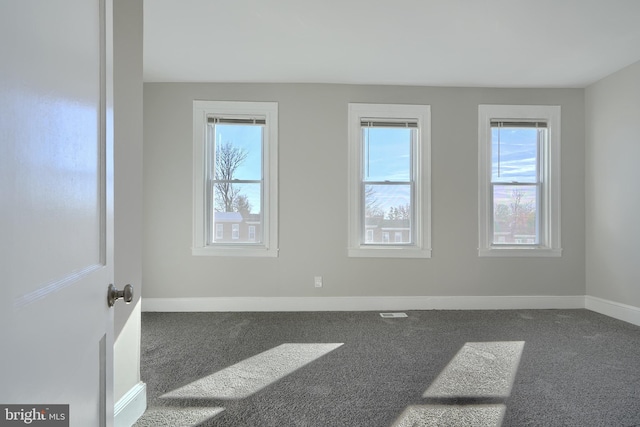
<point x="502" y="215"/>
<point x="241" y="204"/>
<point x="372" y="205"/>
<point x="228" y="159"/>
<point x="402" y="212"/>
<point x="522" y="213"/>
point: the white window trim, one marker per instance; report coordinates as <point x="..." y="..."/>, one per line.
<point x="422" y="246"/>
<point x="550" y="212"/>
<point x="202" y="109"/>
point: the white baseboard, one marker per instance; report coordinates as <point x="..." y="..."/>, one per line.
<point x="627" y="313"/>
<point x="362" y="303"/>
<point x="131" y="406"/>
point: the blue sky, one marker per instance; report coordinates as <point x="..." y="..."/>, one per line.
<point x="387" y="153"/>
<point x="517" y="154"/>
<point x="387" y="157"/>
<point x="248" y="138"/>
<point x="516" y="162"/>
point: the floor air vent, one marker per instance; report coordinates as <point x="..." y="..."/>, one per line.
<point x="393" y="315"/>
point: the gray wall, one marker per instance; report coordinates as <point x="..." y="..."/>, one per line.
<point x="313" y="198"/>
<point x="127" y="88"/>
<point x="613" y="198"/>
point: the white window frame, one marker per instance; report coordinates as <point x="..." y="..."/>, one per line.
<point x="201" y="111"/>
<point x="549" y="163"/>
<point x="421" y="248"/>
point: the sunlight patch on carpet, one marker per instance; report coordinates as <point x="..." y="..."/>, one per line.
<point x="253" y="374"/>
<point x="176" y="417"/>
<point x="479" y="370"/>
<point x="451" y="415"/>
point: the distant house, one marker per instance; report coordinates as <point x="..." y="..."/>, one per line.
<point x="387" y="231"/>
<point x="234" y="227"/>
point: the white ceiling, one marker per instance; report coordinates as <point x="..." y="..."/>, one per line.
<point x="488" y="43"/>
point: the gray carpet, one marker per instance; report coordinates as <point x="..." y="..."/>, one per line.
<point x="432" y="368"/>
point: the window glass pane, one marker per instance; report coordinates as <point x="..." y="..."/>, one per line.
<point x="238" y="204"/>
<point x="233" y="197"/>
<point x="514" y="153"/>
<point x="386" y="154"/>
<point x="515" y="210"/>
<point x="387" y="212"/>
<point x="238" y="152"/>
<point x="369" y="235"/>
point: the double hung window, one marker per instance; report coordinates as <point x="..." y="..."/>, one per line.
<point x="389" y="208"/>
<point x="235" y="178"/>
<point x="519" y="180"/>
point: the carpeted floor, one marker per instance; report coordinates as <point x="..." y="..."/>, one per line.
<point x="432" y="368"/>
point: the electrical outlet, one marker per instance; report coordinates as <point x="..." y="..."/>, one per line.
<point x="317" y="281"/>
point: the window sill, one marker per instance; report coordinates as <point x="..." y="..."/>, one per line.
<point x="230" y="251"/>
<point x="392" y="252"/>
<point x="511" y="251"/>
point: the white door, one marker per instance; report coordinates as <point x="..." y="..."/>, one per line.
<point x="56" y="207"/>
